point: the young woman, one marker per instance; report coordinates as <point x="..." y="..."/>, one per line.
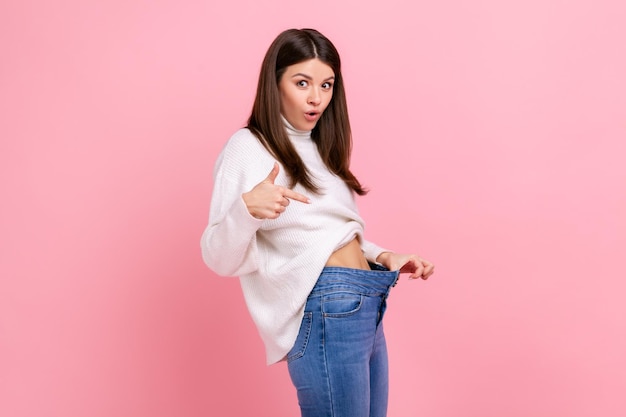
<point x="284" y="219"/>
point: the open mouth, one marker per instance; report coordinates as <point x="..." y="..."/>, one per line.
<point x="311" y="115"/>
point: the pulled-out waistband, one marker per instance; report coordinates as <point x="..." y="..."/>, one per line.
<point x="376" y="281"/>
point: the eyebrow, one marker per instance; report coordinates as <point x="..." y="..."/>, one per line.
<point x="308" y="77"/>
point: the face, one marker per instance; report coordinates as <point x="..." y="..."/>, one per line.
<point x="305" y="89"/>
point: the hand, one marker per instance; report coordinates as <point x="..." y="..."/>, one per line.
<point x="407" y="263"/>
<point x="267" y="200"/>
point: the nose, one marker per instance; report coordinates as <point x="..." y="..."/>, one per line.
<point x="314" y="97"/>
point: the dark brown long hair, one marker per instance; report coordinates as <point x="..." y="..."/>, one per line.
<point x="331" y="134"/>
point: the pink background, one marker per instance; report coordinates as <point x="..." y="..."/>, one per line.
<point x="492" y="134"/>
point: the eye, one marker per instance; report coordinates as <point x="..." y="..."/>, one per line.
<point x="302" y="83"/>
<point x="327" y="85"/>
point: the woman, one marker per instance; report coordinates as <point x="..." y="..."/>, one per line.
<point x="283" y="218"/>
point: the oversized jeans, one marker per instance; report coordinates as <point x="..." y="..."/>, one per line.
<point x="339" y="361"/>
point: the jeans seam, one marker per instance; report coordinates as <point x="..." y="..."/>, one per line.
<point x="327" y="373"/>
<point x="343" y="314"/>
<point x="308" y="316"/>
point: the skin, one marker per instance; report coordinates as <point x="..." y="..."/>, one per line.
<point x="306" y="89"/>
<point x="416" y="266"/>
<point x="268" y="200"/>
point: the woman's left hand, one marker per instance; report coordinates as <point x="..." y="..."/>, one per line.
<point x="407" y="263"/>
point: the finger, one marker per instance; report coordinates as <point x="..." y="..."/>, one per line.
<point x="428" y="270"/>
<point x="296" y="196"/>
<point x="419" y="269"/>
<point x="273" y="173"/>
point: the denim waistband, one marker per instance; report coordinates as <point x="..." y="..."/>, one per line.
<point x="376" y="281"/>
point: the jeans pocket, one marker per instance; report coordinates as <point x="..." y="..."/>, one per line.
<point x="341" y="304"/>
<point x="297" y="351"/>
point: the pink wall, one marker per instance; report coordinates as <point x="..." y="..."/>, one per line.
<point x="491" y="133"/>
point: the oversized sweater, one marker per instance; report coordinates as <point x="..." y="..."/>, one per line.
<point x="277" y="260"/>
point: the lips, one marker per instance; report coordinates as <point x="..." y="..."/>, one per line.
<point x="311" y="116"/>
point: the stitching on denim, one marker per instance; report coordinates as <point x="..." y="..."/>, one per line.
<point x="342" y="314"/>
<point x="308" y="317"/>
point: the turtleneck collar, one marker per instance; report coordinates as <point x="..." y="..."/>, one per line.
<point x="292" y="131"/>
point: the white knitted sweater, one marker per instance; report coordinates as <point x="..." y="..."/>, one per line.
<point x="278" y="261"/>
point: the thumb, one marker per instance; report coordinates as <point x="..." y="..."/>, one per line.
<point x="273" y="173"/>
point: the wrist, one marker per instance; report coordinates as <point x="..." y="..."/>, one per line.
<point x="383" y="258"/>
<point x="249" y="206"/>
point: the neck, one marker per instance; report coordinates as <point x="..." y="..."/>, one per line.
<point x="292" y="131"/>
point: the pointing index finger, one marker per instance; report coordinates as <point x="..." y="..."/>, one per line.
<point x="292" y="195"/>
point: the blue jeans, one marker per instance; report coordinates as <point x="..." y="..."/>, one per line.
<point x="339" y="361"/>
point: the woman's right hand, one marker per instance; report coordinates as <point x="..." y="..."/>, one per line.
<point x="267" y="200"/>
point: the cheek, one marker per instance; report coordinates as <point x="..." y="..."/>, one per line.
<point x="287" y="100"/>
<point x="328" y="103"/>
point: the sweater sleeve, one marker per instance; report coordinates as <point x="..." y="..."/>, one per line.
<point x="228" y="243"/>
